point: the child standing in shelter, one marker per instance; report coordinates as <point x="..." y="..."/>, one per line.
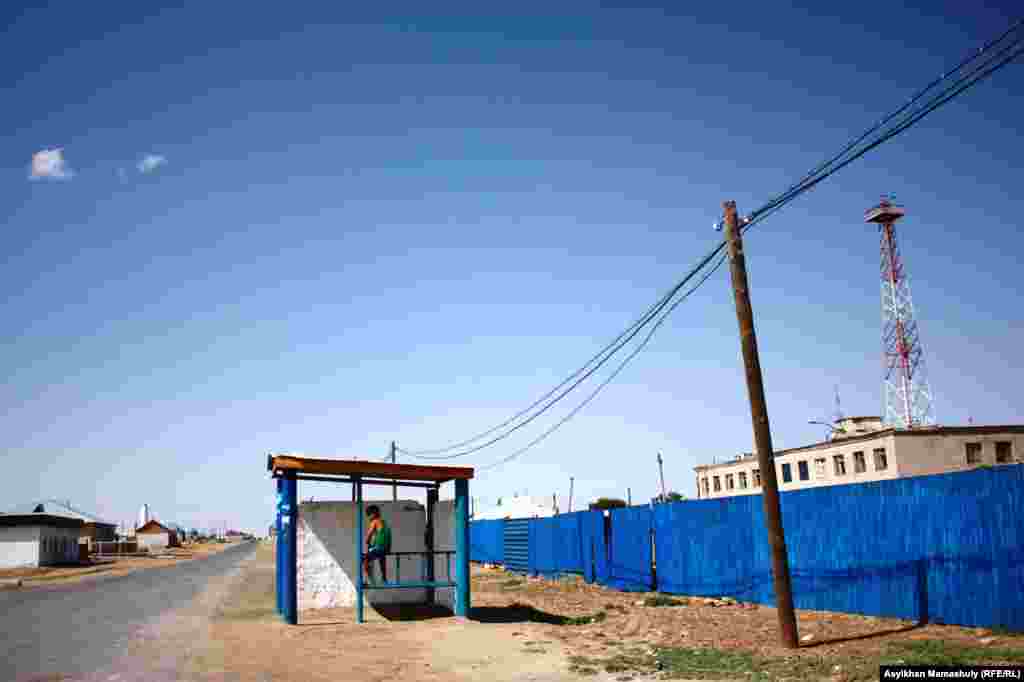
<point x="378" y="543"/>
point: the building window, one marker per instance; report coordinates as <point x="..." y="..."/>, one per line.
<point x="1004" y="452"/>
<point x="787" y="473"/>
<point x="707" y="487"/>
<point x="755" y="477"/>
<point x="819" y="468"/>
<point x="839" y="465"/>
<point x="730" y="482"/>
<point x="881" y="463"/>
<point x="718" y="484"/>
<point x="859" y="464"/>
<point x="743" y="480"/>
<point x="973" y="452"/>
<point x="805" y="473"/>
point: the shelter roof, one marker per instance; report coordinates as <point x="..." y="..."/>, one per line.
<point x="277" y="464"/>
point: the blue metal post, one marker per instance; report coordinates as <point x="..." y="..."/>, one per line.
<point x="279" y="548"/>
<point x="288" y="521"/>
<point x="462" y="596"/>
<point x="357" y="497"/>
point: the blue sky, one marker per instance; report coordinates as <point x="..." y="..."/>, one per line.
<point x="365" y="225"/>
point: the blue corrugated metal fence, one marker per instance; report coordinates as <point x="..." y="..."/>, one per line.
<point x="947" y="547"/>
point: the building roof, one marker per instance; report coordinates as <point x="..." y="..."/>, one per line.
<point x="39" y="519"/>
<point x="59" y="508"/>
<point x="278" y="464"/>
<point x="871" y="435"/>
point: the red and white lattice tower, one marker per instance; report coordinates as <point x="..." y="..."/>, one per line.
<point x="908" y="397"/>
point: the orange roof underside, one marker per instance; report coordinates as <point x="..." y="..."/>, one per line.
<point x="350" y="467"/>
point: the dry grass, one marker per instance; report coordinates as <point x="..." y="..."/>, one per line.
<point x="698" y="638"/>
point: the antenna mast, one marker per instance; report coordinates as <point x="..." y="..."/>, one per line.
<point x="908" y="395"/>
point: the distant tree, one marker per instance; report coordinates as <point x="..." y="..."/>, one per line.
<point x="671" y="496"/>
<point x="607" y="503"/>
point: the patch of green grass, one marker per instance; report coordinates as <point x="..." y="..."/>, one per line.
<point x="931" y="652"/>
<point x="512" y="582"/>
<point x="712" y="664"/>
<point x="1004" y="632"/>
<point x="664" y="600"/>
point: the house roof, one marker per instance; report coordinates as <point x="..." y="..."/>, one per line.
<point x="39" y="519"/>
<point x="58" y="508"/>
<point x="153" y="526"/>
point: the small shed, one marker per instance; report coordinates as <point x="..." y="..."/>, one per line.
<point x="38" y="539"/>
<point x="155" y="535"/>
<point x="94" y="529"/>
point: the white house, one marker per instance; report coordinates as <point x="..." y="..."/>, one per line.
<point x="38" y="539"/>
<point x="516" y="507"/>
<point x="155" y="535"/>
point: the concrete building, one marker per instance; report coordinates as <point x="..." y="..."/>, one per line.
<point x="326" y="548"/>
<point x="94" y="529"/>
<point x="517" y="507"/>
<point x="38" y="539"/>
<point x="155" y="536"/>
<point x="863" y="450"/>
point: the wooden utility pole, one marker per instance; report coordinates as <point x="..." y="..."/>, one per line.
<point x="394" y="483"/>
<point x="661" y="474"/>
<point x="570" y="493"/>
<point x="762" y="431"/>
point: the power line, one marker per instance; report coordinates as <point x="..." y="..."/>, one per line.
<point x="611" y="377"/>
<point x="640" y="322"/>
<point x="551" y="403"/>
<point x="814" y="177"/>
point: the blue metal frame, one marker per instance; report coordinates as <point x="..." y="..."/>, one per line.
<point x="289" y="517"/>
<point x="462" y="548"/>
<point x="357" y="494"/>
<point x="279" y="549"/>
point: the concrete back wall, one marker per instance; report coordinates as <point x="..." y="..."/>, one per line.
<point x="326" y="548"/>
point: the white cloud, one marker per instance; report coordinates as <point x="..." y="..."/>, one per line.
<point x="50" y="163"/>
<point x="150" y="162"/>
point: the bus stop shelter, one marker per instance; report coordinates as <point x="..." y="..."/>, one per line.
<point x="288" y="470"/>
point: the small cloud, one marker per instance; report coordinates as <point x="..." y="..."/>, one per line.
<point x="150" y="162"/>
<point x="50" y="163"/>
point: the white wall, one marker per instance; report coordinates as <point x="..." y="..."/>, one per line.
<point x="153" y="541"/>
<point x="921" y="455"/>
<point x="19" y="546"/>
<point x="326" y="549"/>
